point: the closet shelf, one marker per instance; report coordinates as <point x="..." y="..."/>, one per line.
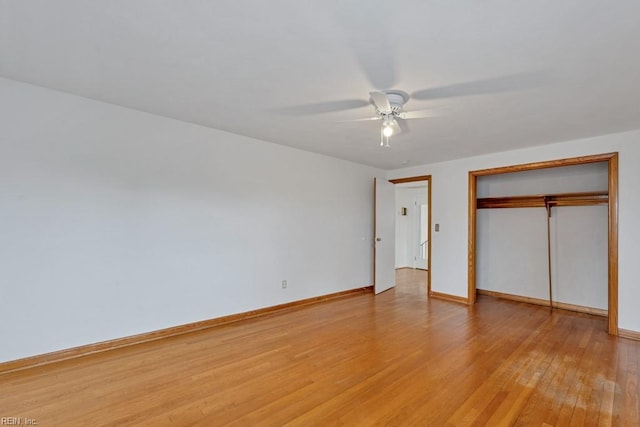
<point x="543" y="200"/>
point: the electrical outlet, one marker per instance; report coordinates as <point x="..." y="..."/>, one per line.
<point x="284" y="284"/>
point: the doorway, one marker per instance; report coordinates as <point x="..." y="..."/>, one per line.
<point x="413" y="228"/>
<point x="411" y="225"/>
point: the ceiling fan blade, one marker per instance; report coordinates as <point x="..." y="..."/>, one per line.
<point x="378" y="68"/>
<point x="381" y="101"/>
<point x="365" y="26"/>
<point x="323" y="107"/>
<point x="507" y="83"/>
<point x="402" y="125"/>
<point x="419" y="114"/>
<point x="365" y="119"/>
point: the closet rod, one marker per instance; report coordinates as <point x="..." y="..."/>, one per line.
<point x="548" y="206"/>
<point x="542" y="201"/>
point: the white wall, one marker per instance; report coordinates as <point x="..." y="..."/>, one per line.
<point x="579" y="263"/>
<point x="512" y="253"/>
<point x="512" y="243"/>
<point x="407" y="234"/>
<point x="450" y="209"/>
<point x="565" y="179"/>
<point x="115" y="222"/>
<point x="403" y="226"/>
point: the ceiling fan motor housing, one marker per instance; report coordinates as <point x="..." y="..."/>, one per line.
<point x="397" y="98"/>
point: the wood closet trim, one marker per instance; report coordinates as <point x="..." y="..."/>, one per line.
<point x="612" y="160"/>
<point x="573" y="161"/>
<point x="632" y="335"/>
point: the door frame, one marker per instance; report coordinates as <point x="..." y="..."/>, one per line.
<point x="612" y="160"/>
<point x="428" y="179"/>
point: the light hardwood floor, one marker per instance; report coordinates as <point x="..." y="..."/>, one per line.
<point x="393" y="359"/>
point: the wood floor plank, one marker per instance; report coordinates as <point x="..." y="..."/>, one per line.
<point x="632" y="395"/>
<point x="393" y="359"/>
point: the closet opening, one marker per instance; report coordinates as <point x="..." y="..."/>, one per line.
<point x="547" y="233"/>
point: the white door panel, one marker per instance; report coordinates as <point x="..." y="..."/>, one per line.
<point x="384" y="236"/>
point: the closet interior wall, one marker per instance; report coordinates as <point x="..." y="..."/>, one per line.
<point x="512" y="255"/>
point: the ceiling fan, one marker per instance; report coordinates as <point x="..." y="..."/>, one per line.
<point x="376" y="57"/>
<point x="389" y="108"/>
<point x="389" y="104"/>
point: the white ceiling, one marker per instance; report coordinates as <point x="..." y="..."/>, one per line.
<point x="543" y="71"/>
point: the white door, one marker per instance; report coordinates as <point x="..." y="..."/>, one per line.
<point x="384" y="251"/>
